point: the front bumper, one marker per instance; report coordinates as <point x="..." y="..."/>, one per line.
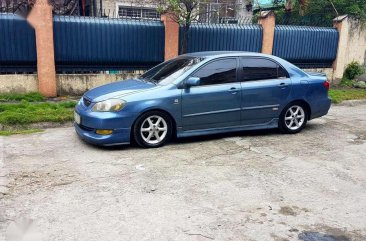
<point x="119" y="122"/>
<point x="118" y="137"/>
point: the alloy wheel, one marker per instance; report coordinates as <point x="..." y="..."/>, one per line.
<point x="295" y="117"/>
<point x="153" y="129"/>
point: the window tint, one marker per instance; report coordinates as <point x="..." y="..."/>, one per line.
<point x="218" y="72"/>
<point x="282" y="73"/>
<point x="261" y="69"/>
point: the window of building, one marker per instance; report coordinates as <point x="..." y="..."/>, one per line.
<point x="217" y="72"/>
<point x="137" y="12"/>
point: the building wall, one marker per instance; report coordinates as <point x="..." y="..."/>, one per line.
<point x="356" y="43"/>
<point x="110" y="6"/>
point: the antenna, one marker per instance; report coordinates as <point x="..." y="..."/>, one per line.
<point x="334" y="7"/>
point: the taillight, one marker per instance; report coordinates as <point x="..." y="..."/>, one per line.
<point x="326" y="85"/>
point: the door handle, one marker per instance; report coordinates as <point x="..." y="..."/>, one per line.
<point x="282" y="85"/>
<point x="233" y="90"/>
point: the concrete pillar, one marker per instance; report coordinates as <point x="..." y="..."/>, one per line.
<point x="171" y="36"/>
<point x="268" y="21"/>
<point x="342" y="25"/>
<point x="42" y="21"/>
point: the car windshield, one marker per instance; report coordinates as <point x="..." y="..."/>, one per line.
<point x="168" y="71"/>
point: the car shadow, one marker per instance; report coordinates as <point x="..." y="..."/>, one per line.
<point x="211" y="137"/>
<point x="203" y="138"/>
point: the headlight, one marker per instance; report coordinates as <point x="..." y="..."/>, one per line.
<point x="111" y="105"/>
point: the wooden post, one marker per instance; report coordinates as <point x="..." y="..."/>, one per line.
<point x="42" y="21"/>
<point x="171" y="36"/>
<point x="268" y="21"/>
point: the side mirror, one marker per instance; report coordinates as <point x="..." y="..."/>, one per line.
<point x="192" y="81"/>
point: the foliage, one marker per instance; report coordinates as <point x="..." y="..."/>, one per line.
<point x="320" y="12"/>
<point x="183" y="12"/>
<point x="346" y="82"/>
<point x="339" y="95"/>
<point x="25" y="112"/>
<point x="30" y="97"/>
<point x="353" y="70"/>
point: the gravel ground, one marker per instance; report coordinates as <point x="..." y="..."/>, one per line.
<point x="242" y="186"/>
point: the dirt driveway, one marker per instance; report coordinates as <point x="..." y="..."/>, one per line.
<point x="243" y="186"/>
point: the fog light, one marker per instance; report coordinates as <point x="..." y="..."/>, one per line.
<point x="104" y="132"/>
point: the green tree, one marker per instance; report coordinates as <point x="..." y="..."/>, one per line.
<point x="320" y="12"/>
<point x="183" y="12"/>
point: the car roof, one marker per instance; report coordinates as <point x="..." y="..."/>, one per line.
<point x="213" y="54"/>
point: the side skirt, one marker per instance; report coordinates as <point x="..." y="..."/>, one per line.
<point x="269" y="125"/>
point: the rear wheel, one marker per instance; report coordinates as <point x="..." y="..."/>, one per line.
<point x="153" y="129"/>
<point x="293" y="118"/>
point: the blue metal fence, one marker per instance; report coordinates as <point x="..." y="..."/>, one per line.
<point x="216" y="37"/>
<point x="17" y="45"/>
<point x="88" y="44"/>
<point x="97" y="44"/>
<point x="306" y="46"/>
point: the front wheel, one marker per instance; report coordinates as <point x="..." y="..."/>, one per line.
<point x="153" y="129"/>
<point x="293" y="118"/>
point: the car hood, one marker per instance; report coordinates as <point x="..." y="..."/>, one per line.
<point x="118" y="89"/>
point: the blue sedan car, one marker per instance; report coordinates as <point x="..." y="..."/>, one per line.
<point x="199" y="94"/>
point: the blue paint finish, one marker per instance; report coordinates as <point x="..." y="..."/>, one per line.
<point x="223" y="37"/>
<point x="83" y="44"/>
<point x="263" y="99"/>
<point x="306" y="46"/>
<point x="17" y="44"/>
<point x="202" y="110"/>
<point x="211" y="106"/>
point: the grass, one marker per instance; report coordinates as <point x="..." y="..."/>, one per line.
<point x="346" y="82"/>
<point x="24" y="113"/>
<point x="30" y="97"/>
<point x="16" y="132"/>
<point x="339" y="95"/>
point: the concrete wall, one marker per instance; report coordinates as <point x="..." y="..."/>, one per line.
<point x="78" y="84"/>
<point x="356" y="47"/>
<point x="18" y="83"/>
<point x="328" y="71"/>
<point x="67" y="84"/>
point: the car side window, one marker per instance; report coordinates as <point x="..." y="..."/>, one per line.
<point x="260" y="69"/>
<point x="218" y="72"/>
<point x="282" y="73"/>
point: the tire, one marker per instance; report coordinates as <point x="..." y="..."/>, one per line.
<point x="153" y="129"/>
<point x="293" y="118"/>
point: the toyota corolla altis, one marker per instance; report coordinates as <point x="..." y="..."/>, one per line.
<point x="199" y="94"/>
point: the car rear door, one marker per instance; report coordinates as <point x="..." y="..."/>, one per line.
<point x="215" y="103"/>
<point x="265" y="87"/>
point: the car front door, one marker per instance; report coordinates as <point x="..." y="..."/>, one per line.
<point x="265" y="87"/>
<point x="215" y="102"/>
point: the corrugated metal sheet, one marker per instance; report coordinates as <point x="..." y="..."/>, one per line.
<point x="306" y="46"/>
<point x="216" y="37"/>
<point x="17" y="44"/>
<point x="83" y="44"/>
